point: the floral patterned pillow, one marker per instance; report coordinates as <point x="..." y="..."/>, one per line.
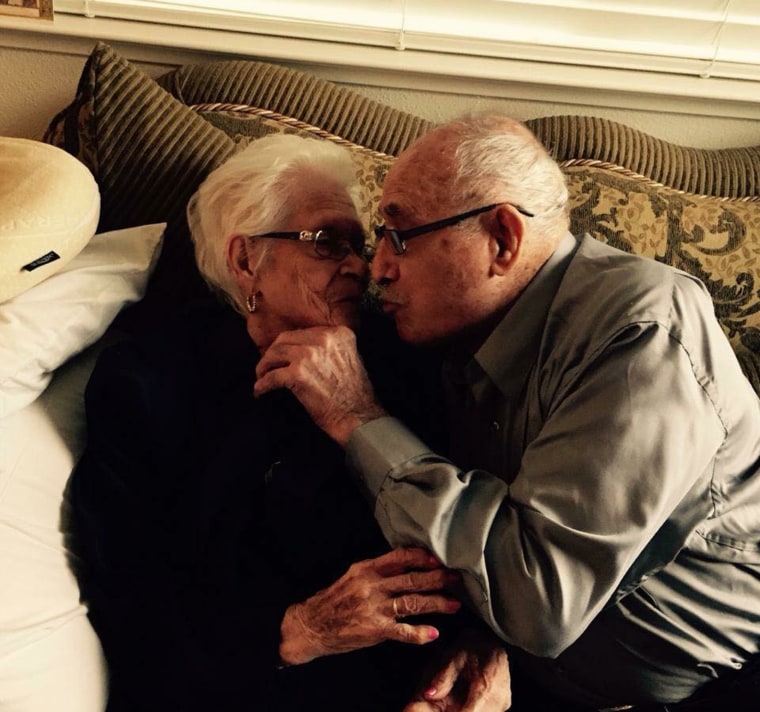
<point x="715" y="239"/>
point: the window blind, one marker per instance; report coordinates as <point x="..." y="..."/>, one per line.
<point x="702" y="38"/>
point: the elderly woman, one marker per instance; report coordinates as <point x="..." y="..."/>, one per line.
<point x="219" y="530"/>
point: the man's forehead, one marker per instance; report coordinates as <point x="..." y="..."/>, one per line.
<point x="424" y="172"/>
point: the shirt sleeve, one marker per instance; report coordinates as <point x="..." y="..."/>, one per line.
<point x="607" y="491"/>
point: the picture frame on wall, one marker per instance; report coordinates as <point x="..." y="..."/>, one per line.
<point x="34" y="9"/>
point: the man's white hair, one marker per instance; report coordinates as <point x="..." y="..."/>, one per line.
<point x="498" y="158"/>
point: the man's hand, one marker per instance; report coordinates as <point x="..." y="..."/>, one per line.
<point x="474" y="678"/>
<point x="367" y="605"/>
<point x="322" y="368"/>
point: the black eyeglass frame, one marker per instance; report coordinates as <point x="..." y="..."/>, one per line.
<point x="317" y="237"/>
<point x="398" y="237"/>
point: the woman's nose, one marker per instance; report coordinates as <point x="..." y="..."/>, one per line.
<point x="354" y="264"/>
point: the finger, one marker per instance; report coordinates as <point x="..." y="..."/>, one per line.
<point x="401" y="560"/>
<point x="272" y="380"/>
<point x="421" y="706"/>
<point x="442" y="683"/>
<point x="274" y="357"/>
<point x="317" y="335"/>
<point x="417" y="605"/>
<point x="412" y="634"/>
<point x="414" y="581"/>
<point x="279" y="356"/>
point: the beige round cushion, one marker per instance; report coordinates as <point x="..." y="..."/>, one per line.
<point x="49" y="209"/>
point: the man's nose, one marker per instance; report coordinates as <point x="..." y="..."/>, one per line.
<point x="384" y="267"/>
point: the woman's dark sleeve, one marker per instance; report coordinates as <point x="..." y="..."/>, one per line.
<point x="182" y="626"/>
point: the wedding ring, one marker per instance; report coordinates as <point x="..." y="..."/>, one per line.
<point x="395" y="608"/>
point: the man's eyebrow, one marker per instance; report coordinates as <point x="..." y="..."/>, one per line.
<point x="391" y="210"/>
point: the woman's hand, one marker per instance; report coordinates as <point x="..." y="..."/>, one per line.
<point x="366" y="606"/>
<point x="473" y="677"/>
<point x="322" y="368"/>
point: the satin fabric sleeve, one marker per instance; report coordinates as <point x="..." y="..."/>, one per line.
<point x="623" y="458"/>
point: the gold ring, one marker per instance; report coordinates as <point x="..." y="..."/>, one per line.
<point x="395" y="608"/>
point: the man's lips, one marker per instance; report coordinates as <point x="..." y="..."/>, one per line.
<point x="389" y="305"/>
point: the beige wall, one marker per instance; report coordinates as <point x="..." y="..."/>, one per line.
<point x="38" y="80"/>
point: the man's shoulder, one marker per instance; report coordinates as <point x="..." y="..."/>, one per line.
<point x="612" y="280"/>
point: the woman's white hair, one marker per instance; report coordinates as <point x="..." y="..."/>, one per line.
<point x="254" y="192"/>
<point x="498" y="158"/>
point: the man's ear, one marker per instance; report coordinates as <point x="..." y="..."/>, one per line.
<point x="506" y="236"/>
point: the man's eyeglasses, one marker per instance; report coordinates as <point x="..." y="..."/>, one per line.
<point x="398" y="238"/>
<point x="327" y="244"/>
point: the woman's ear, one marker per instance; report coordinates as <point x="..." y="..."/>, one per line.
<point x="237" y="254"/>
<point x="238" y="259"/>
<point x="506" y="235"/>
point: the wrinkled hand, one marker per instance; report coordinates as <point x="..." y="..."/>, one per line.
<point x="322" y="368"/>
<point x="365" y="607"/>
<point x="473" y="678"/>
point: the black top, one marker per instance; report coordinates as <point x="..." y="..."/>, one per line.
<point x="202" y="513"/>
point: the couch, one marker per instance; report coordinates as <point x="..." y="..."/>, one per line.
<point x="149" y="143"/>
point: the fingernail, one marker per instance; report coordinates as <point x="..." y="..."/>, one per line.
<point x="454" y="606"/>
<point x="430" y="692"/>
<point x="433" y="633"/>
<point x="433" y="561"/>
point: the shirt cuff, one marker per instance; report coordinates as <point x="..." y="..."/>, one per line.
<point x="377" y="447"/>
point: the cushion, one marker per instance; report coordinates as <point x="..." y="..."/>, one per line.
<point x="49" y="203"/>
<point x="50" y="657"/>
<point x="715" y="239"/>
<point x="44" y="326"/>
<point x="247" y="123"/>
<point x="148" y="153"/>
<point x="148" y="168"/>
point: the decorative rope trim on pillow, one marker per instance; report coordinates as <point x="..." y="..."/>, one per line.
<point x="288" y="121"/>
<point x="621" y="170"/>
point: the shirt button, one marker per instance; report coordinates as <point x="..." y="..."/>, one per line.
<point x="495" y="425"/>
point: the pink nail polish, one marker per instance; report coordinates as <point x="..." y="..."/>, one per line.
<point x="433" y="633"/>
<point x="430" y="692"/>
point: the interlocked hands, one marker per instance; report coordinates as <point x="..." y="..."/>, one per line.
<point x="474" y="677"/>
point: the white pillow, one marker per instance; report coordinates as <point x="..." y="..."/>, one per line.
<point x="49" y="208"/>
<point x="43" y="327"/>
<point x="50" y="656"/>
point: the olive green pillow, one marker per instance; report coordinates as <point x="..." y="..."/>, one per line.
<point x="149" y="152"/>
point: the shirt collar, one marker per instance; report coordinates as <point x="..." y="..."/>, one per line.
<point x="509" y="352"/>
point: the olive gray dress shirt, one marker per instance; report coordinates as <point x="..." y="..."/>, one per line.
<point x="603" y="495"/>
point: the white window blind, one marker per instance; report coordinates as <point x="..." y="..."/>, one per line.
<point x="701" y="38"/>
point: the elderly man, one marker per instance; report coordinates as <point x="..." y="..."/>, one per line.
<point x="601" y="493"/>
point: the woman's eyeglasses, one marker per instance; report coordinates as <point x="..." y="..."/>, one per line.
<point x="327" y="244"/>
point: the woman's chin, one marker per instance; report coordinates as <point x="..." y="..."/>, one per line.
<point x="346" y="313"/>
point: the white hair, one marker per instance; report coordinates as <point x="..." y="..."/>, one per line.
<point x="498" y="158"/>
<point x="253" y="193"/>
